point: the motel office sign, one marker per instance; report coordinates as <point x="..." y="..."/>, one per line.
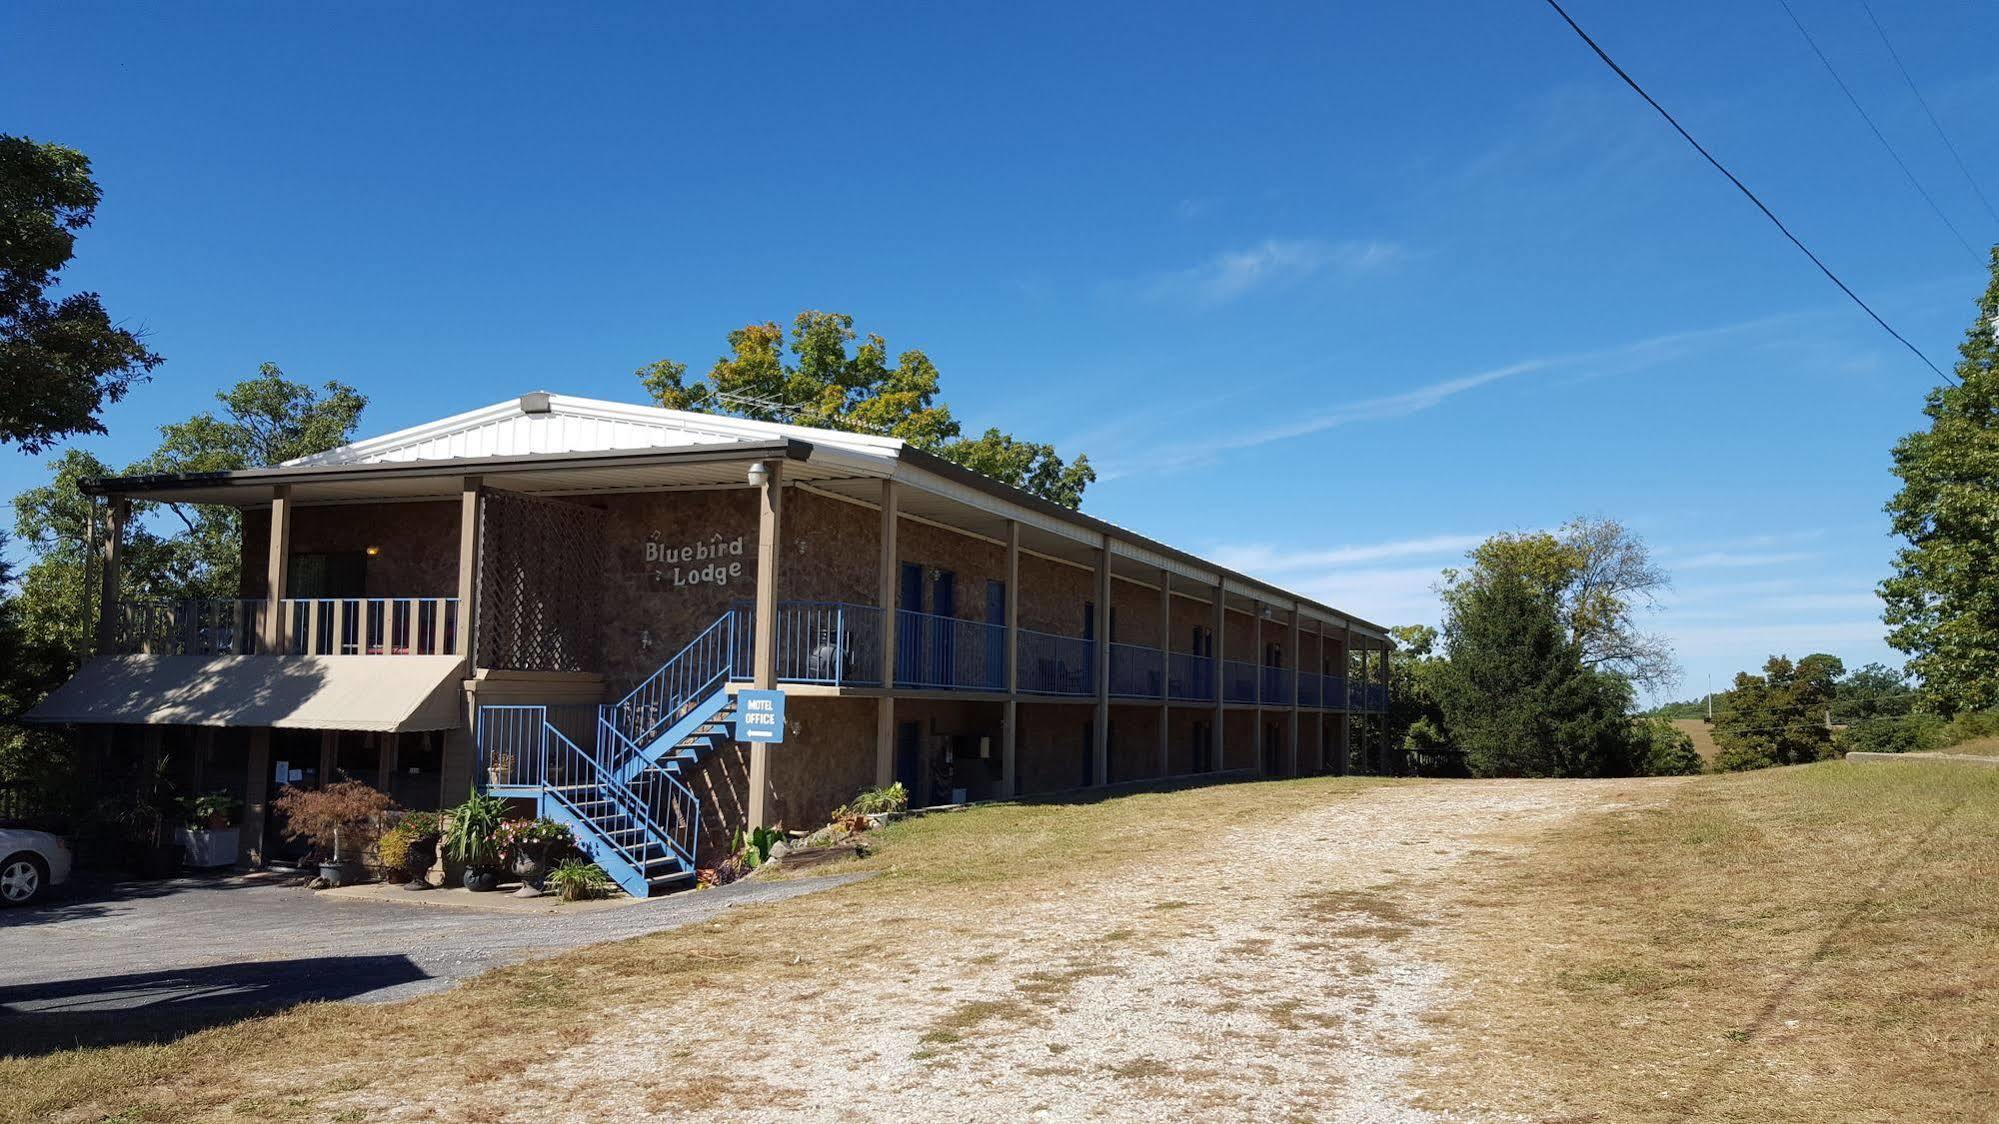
<point x="760" y="716"/>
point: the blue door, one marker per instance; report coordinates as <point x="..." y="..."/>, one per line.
<point x="944" y="607"/>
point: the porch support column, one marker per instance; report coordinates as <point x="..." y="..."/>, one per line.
<point x="1010" y="723"/>
<point x="763" y="658"/>
<point x="1297" y="669"/>
<point x="1319" y="712"/>
<point x="256" y="792"/>
<point x="468" y="566"/>
<point x="1344" y="761"/>
<point x="1100" y="748"/>
<point x="277" y="568"/>
<point x="885" y="597"/>
<point x="120" y="509"/>
<point x="1390" y="751"/>
<point x="1165" y="671"/>
<point x="1256" y="633"/>
<point x="1215" y="676"/>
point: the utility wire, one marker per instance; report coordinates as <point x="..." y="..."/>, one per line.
<point x="1876" y="129"/>
<point x="1740" y="186"/>
<point x="1924" y="102"/>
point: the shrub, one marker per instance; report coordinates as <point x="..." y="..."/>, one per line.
<point x="338" y="819"/>
<point x="1663" y="750"/>
<point x="420" y="826"/>
<point x="199" y="813"/>
<point x="393" y="851"/>
<point x="575" y="880"/>
<point x="1893" y="734"/>
<point x="722" y="873"/>
<point x="886" y="801"/>
<point x="754" y="848"/>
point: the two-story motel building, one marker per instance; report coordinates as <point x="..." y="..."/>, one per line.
<point x="558" y="599"/>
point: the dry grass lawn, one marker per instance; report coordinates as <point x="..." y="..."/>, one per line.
<point x="1803" y="944"/>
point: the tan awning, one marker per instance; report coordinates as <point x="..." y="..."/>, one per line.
<point x="384" y="693"/>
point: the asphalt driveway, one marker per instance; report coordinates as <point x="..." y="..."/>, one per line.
<point x="131" y="962"/>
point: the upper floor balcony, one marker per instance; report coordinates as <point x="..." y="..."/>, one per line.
<point x="307" y="626"/>
<point x="840" y="644"/>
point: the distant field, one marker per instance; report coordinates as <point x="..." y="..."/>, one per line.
<point x="1977" y="747"/>
<point x="1697" y="729"/>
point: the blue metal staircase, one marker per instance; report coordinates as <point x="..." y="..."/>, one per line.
<point x="631" y="812"/>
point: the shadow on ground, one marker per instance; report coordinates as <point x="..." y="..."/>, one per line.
<point x="158" y="1006"/>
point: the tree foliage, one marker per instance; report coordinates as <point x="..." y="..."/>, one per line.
<point x="1778" y="717"/>
<point x="1599" y="575"/>
<point x="1664" y="750"/>
<point x="61" y="360"/>
<point x="1516" y="694"/>
<point x="1415" y="712"/>
<point x="828" y="385"/>
<point x="1943" y="599"/>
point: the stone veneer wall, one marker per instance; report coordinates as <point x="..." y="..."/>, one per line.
<point x="1051" y="750"/>
<point x="1134" y="753"/>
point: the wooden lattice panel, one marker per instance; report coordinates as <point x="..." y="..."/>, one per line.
<point x="541" y="573"/>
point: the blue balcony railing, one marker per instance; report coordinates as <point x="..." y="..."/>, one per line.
<point x="1190" y="677"/>
<point x="1311" y="688"/>
<point x="1137" y="672"/>
<point x="1276" y="686"/>
<point x="1238" y="681"/>
<point x="946" y="653"/>
<point x="1055" y="665"/>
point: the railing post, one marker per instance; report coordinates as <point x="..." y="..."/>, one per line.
<point x="839" y="643"/>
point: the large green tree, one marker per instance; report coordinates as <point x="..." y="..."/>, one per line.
<point x="61" y="359"/>
<point x="1943" y="600"/>
<point x="1780" y="716"/>
<point x="170" y="550"/>
<point x="1599" y="575"/>
<point x="829" y="384"/>
<point x="1516" y="694"/>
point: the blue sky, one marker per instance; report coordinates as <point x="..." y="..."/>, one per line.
<point x="1328" y="291"/>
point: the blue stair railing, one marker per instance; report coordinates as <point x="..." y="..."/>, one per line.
<point x="641" y="829"/>
<point x="695" y="674"/>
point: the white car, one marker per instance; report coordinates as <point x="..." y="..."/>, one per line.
<point x="30" y="862"/>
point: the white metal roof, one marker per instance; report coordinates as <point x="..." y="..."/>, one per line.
<point x="557" y="423"/>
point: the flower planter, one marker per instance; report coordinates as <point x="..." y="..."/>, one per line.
<point x="337" y="872"/>
<point x="210" y="847"/>
<point x="482" y="881"/>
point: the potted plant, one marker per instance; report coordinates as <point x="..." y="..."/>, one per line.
<point x="527" y="844"/>
<point x="207" y="830"/>
<point x="471" y="839"/>
<point x="339" y="820"/>
<point x="575" y="880"/>
<point x="149" y="820"/>
<point x="499" y="769"/>
<point x="420" y="831"/>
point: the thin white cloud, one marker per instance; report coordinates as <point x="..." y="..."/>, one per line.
<point x="1274" y="261"/>
<point x="1732" y="559"/>
<point x="1264" y="558"/>
<point x="1617" y="359"/>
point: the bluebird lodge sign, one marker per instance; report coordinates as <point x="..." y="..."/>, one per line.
<point x="760" y="716"/>
<point x="716" y="561"/>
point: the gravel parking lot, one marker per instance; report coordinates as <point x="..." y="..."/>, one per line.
<point x="123" y="962"/>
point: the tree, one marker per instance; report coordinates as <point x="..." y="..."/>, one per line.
<point x="1778" y="717"/>
<point x="266" y="419"/>
<point x="1415" y="715"/>
<point x="1598" y="574"/>
<point x="1517" y="697"/>
<point x="1943" y="600"/>
<point x="827" y="386"/>
<point x="60" y="360"/>
<point x="1664" y="750"/>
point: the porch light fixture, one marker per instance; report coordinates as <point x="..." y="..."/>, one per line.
<point x="373" y="551"/>
<point x="759" y="472"/>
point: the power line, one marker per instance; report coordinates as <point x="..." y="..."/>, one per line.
<point x="1924" y="102"/>
<point x="1876" y="129"/>
<point x="1743" y="188"/>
